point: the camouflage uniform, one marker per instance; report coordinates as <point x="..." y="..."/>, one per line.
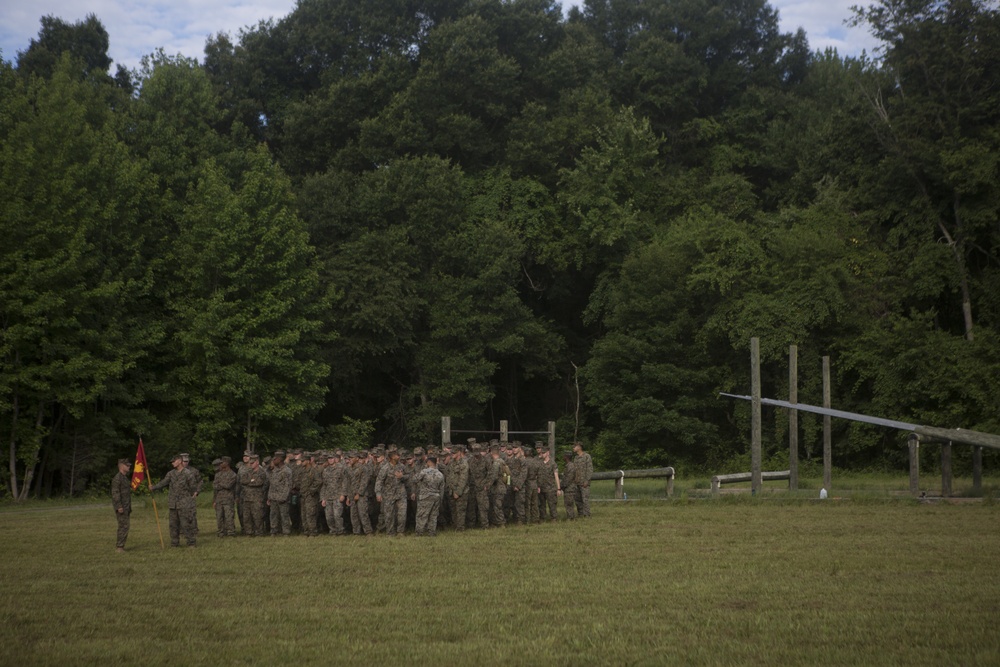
<point x="252" y="494"/>
<point x="309" y="486"/>
<point x="478" y="472"/>
<point x="224" y="486"/>
<point x="121" y="501"/>
<point x="458" y="482"/>
<point x="585" y="466"/>
<point x="394" y="499"/>
<point x="180" y="504"/>
<point x="497" y="487"/>
<point x="518" y="478"/>
<point x="295" y="498"/>
<point x="532" y="467"/>
<point x="549" y="489"/>
<point x="361" y="478"/>
<point x="430" y="487"/>
<point x="570" y="480"/>
<point x="278" y="494"/>
<point x="333" y="494"/>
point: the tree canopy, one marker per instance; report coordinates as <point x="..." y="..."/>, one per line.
<point x="352" y="220"/>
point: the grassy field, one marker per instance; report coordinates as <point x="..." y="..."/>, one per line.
<point x="729" y="581"/>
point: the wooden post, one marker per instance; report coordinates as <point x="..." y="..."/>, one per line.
<point x="552" y="440"/>
<point x="793" y="418"/>
<point x="503" y="430"/>
<point x="977" y="469"/>
<point x="755" y="425"/>
<point x="670" y="486"/>
<point x="619" y="485"/>
<point x="946" y="469"/>
<point x="445" y="431"/>
<point x="827" y="429"/>
<point x="914" y="443"/>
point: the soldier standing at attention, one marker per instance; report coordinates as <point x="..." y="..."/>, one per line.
<point x="333" y="493"/>
<point x="361" y="479"/>
<point x="199" y="484"/>
<point x="518" y="479"/>
<point x="310" y="482"/>
<point x="430" y="487"/>
<point x="244" y="462"/>
<point x="180" y="501"/>
<point x="394" y="496"/>
<point x="121" y="501"/>
<point x="585" y="467"/>
<point x="252" y="481"/>
<point x="548" y="486"/>
<point x="458" y="483"/>
<point x="496" y="482"/>
<point x="570" y="481"/>
<point x="278" y="495"/>
<point x="478" y="488"/>
<point x="531" y="491"/>
<point x="224" y="502"/>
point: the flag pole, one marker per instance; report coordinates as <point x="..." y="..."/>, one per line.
<point x="140" y="458"/>
<point x="159" y="530"/>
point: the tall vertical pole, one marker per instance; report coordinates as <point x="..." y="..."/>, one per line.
<point x="552" y="440"/>
<point x="503" y="430"/>
<point x="946" y="469"/>
<point x="793" y="418"/>
<point x="827" y="429"/>
<point x="445" y="431"/>
<point x="755" y="426"/>
<point x="914" y="443"/>
<point x="977" y="469"/>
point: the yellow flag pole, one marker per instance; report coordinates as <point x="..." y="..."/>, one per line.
<point x="149" y="483"/>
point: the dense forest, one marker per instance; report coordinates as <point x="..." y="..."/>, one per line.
<point x="339" y="226"/>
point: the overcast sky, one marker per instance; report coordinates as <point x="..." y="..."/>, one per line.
<point x="138" y="27"/>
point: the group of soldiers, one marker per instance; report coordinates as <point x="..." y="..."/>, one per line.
<point x="392" y="490"/>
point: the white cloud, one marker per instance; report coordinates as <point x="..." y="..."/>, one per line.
<point x="138" y="27"/>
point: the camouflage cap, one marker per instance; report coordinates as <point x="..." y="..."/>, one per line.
<point x="227" y="460"/>
<point x="470" y="440"/>
<point x="216" y="461"/>
<point x="247" y="452"/>
<point x="253" y="456"/>
<point x="176" y="457"/>
<point x="185" y="457"/>
<point x="280" y="453"/>
<point x="331" y="455"/>
<point x="418" y="451"/>
<point x="124" y="462"/>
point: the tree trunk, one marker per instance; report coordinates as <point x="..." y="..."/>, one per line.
<point x="29" y="467"/>
<point x="13" y="448"/>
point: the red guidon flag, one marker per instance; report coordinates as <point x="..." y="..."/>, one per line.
<point x="139" y="472"/>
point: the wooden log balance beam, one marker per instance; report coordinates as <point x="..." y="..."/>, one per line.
<point x="620" y="475"/>
<point x="719" y="480"/>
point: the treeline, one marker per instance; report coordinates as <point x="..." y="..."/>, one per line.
<point x="349" y="222"/>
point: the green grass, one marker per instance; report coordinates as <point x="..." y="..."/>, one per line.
<point x="712" y="582"/>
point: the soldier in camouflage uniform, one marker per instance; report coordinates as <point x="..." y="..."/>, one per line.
<point x="180" y="501"/>
<point x="531" y="491"/>
<point x="224" y="500"/>
<point x="518" y="480"/>
<point x="459" y="486"/>
<point x="478" y="471"/>
<point x="296" y="466"/>
<point x="585" y="466"/>
<point x="244" y="462"/>
<point x="310" y="483"/>
<point x="333" y="493"/>
<point x="121" y="501"/>
<point x="361" y="479"/>
<point x="199" y="483"/>
<point x="496" y="481"/>
<point x="444" y="465"/>
<point x="253" y="481"/>
<point x="430" y="488"/>
<point x="394" y="496"/>
<point x="548" y="485"/>
<point x="570" y="480"/>
<point x="278" y="494"/>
